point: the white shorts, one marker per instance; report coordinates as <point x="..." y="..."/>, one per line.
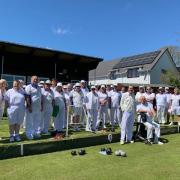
<point x="77" y="111"/>
<point x="176" y="110"/>
<point x="15" y="115"/>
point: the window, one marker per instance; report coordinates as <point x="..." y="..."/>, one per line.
<point x="132" y="73"/>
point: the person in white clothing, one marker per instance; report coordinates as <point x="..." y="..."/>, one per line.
<point x="68" y="103"/>
<point x="48" y="102"/>
<point x="77" y="100"/>
<point x="53" y="84"/>
<point x="115" y="98"/>
<point x="139" y="94"/>
<point x="175" y="104"/>
<point x="60" y="101"/>
<point x="168" y="96"/>
<point x="161" y="103"/>
<point x="92" y="106"/>
<point x="128" y="108"/>
<point x="149" y="95"/>
<point x="146" y="115"/>
<point x="85" y="90"/>
<point x="3" y="85"/>
<point x="34" y="109"/>
<point x="15" y="103"/>
<point x="103" y="109"/>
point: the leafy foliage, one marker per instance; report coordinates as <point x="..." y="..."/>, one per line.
<point x="171" y="78"/>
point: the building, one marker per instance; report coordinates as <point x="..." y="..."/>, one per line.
<point x="142" y="69"/>
<point x="100" y="75"/>
<point x="19" y="61"/>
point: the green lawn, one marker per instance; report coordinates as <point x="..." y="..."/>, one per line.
<point x="143" y="162"/>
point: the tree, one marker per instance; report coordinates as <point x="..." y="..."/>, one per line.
<point x="171" y="78"/>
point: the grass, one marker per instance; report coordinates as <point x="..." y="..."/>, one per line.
<point x="142" y="162"/>
<point x="4" y="134"/>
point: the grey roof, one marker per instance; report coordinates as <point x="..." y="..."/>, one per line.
<point x="103" y="68"/>
<point x="137" y="60"/>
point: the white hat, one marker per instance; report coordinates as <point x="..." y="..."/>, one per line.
<point x="93" y="87"/>
<point x="103" y="86"/>
<point x="160" y="87"/>
<point x="65" y="86"/>
<point x="41" y="82"/>
<point x="167" y="88"/>
<point x="115" y="84"/>
<point x="141" y="87"/>
<point x="83" y="81"/>
<point x="24" y="86"/>
<point x="47" y="82"/>
<point x="112" y="86"/>
<point x="77" y="84"/>
<point x="59" y="84"/>
<point x="21" y="81"/>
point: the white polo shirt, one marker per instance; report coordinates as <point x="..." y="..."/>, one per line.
<point x="115" y="98"/>
<point x="175" y="100"/>
<point x="78" y="98"/>
<point x="161" y="99"/>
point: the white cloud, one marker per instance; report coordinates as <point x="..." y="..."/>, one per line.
<point x="61" y="31"/>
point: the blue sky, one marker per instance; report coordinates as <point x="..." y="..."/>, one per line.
<point x="102" y="28"/>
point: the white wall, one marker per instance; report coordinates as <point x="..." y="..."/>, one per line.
<point x="144" y="78"/>
<point x="164" y="62"/>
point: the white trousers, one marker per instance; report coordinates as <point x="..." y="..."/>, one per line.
<point x="102" y="114"/>
<point x="46" y="119"/>
<point x="161" y="114"/>
<point x="127" y="125"/>
<point x="92" y="119"/>
<point x="59" y="119"/>
<point x="33" y="122"/>
<point x="115" y="116"/>
<point x="151" y="125"/>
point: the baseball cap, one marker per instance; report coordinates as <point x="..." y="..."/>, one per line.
<point x="77" y="84"/>
<point x="47" y="82"/>
<point x="59" y="84"/>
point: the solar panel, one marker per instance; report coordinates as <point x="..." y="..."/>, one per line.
<point x="136" y="60"/>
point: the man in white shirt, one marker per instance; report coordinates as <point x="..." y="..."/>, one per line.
<point x="34" y="109"/>
<point x="149" y="95"/>
<point x="146" y="115"/>
<point x="161" y="103"/>
<point x="115" y="114"/>
<point x="77" y="100"/>
<point x="84" y="90"/>
<point x="128" y="108"/>
<point x="92" y="106"/>
<point x="103" y="109"/>
<point x="139" y="94"/>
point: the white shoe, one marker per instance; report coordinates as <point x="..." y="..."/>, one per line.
<point x="160" y="143"/>
<point x="11" y="139"/>
<point x="171" y="123"/>
<point x="122" y="142"/>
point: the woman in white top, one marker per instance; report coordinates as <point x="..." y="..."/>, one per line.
<point x="175" y="104"/>
<point x="3" y="85"/>
<point x="161" y="103"/>
<point x="61" y="104"/>
<point x="48" y="102"/>
<point x="15" y="102"/>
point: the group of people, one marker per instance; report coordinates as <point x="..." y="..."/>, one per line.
<point x="38" y="105"/>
